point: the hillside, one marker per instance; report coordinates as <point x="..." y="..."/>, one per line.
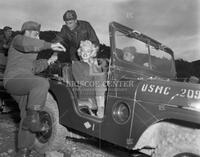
<point x="184" y="68"/>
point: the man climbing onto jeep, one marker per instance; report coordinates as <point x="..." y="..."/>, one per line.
<point x="25" y="87"/>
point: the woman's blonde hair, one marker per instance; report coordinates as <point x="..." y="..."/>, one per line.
<point x="87" y="46"/>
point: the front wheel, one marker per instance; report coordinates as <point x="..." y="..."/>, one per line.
<point x="177" y="141"/>
<point x="54" y="136"/>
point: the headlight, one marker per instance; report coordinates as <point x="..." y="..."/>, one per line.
<point x="121" y="112"/>
<point x="195" y="105"/>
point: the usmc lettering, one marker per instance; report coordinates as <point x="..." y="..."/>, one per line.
<point x="158" y="89"/>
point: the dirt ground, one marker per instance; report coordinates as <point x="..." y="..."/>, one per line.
<point x="79" y="148"/>
<point x="8" y="135"/>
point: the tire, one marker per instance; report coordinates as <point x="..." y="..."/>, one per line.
<point x="54" y="137"/>
<point x="177" y="141"/>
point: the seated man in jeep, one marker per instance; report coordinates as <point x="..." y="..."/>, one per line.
<point x="87" y="72"/>
<point x="128" y="54"/>
<point x="131" y="55"/>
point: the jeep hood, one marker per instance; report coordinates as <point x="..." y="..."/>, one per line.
<point x="178" y="94"/>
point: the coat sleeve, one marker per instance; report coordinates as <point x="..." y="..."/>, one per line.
<point x="62" y="37"/>
<point x="92" y="35"/>
<point x="1" y="42"/>
<point x="29" y="45"/>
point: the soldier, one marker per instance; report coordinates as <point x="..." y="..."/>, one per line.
<point x="25" y="87"/>
<point x="72" y="33"/>
<point x="5" y="41"/>
<point x="128" y="54"/>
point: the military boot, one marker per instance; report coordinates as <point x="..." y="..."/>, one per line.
<point x="32" y="121"/>
<point x="23" y="152"/>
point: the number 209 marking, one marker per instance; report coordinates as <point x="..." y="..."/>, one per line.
<point x="188" y="93"/>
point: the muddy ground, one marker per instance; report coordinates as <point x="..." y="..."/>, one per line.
<point x="79" y="148"/>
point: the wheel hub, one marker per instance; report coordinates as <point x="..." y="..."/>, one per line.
<point x="46" y="122"/>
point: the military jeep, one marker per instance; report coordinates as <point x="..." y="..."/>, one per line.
<point x="145" y="107"/>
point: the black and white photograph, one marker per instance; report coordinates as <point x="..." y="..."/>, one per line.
<point x="99" y="78"/>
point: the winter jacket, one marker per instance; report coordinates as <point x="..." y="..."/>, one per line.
<point x="4" y="41"/>
<point x="22" y="52"/>
<point x="71" y="38"/>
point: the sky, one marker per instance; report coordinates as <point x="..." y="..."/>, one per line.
<point x="175" y="23"/>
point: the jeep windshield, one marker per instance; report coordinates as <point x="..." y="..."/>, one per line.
<point x="138" y="50"/>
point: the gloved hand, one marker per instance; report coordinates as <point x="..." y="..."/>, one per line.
<point x="53" y="58"/>
<point x="40" y="65"/>
<point x="58" y="47"/>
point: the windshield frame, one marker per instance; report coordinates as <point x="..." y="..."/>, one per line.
<point x="130" y="33"/>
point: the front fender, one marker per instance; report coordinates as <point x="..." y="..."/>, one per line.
<point x="147" y="114"/>
<point x="65" y="101"/>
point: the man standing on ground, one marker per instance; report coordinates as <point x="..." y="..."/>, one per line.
<point x="5" y="41"/>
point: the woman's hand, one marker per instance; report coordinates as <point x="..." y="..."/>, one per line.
<point x="53" y="58"/>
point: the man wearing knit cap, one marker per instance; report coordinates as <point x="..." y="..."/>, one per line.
<point x="5" y="41"/>
<point x="72" y="33"/>
<point x="26" y="88"/>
